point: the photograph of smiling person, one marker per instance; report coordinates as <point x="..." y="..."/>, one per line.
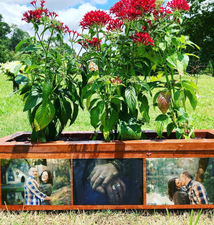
<point x="36" y="181"/>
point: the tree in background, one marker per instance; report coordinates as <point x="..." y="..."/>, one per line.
<point x="4" y="41"/>
<point x="17" y="36"/>
<point x="198" y="24"/>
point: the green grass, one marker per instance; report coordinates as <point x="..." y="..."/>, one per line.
<point x="13" y="119"/>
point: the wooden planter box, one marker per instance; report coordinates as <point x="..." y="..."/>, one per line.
<point x="147" y="165"/>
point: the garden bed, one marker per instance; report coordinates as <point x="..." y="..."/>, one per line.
<point x="147" y="165"/>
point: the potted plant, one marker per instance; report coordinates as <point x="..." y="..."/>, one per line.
<point x="131" y="54"/>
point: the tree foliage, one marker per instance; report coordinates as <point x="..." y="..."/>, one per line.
<point x="4" y="40"/>
<point x="198" y="24"/>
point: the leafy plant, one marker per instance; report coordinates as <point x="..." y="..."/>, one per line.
<point x="140" y="40"/>
<point x="50" y="88"/>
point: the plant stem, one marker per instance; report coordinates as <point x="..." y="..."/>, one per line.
<point x="183" y="99"/>
<point x="171" y="94"/>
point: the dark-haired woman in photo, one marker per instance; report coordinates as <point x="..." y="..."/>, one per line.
<point x="46" y="183"/>
<point x="176" y="193"/>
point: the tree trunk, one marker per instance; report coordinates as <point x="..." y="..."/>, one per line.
<point x="15" y="86"/>
<point x="202" y="166"/>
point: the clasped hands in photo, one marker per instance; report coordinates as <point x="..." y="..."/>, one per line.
<point x="105" y="179"/>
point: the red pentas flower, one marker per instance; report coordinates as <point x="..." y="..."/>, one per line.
<point x="75" y="35"/>
<point x="83" y="43"/>
<point x="115" y="24"/>
<point x="37" y="14"/>
<point x="132" y="9"/>
<point x="94" y="42"/>
<point x="97" y="17"/>
<point x="32" y="15"/>
<point x="124" y="10"/>
<point x="142" y="38"/>
<point x="178" y="5"/>
<point x="161" y="13"/>
<point x="116" y="80"/>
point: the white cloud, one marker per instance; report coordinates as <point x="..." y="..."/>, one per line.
<point x="57" y="4"/>
<point x="71" y="17"/>
<point x="12" y="14"/>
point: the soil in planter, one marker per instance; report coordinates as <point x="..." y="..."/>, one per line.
<point x="90" y="136"/>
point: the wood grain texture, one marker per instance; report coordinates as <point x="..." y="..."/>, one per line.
<point x="202" y="147"/>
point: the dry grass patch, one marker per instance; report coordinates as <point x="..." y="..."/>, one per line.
<point x="130" y="217"/>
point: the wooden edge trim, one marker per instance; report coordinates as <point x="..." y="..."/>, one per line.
<point x="104" y="207"/>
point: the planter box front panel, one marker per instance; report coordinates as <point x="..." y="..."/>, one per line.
<point x="143" y="167"/>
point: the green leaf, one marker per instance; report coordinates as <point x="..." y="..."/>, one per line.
<point x="162" y="46"/>
<point x="92" y="103"/>
<point x="182" y="119"/>
<point x="189" y="85"/>
<point x="20" y="44"/>
<point x="182" y="39"/>
<point x="170" y="128"/>
<point x="47" y="89"/>
<point x="96" y="113"/>
<point x="130" y="96"/>
<point x="144" y="107"/>
<point x="179" y="132"/>
<point x="28" y="62"/>
<point x="21" y="80"/>
<point x="172" y="60"/>
<point x="17" y="68"/>
<point x="192" y="98"/>
<point x="30" y="68"/>
<point x="58" y="60"/>
<point x="44" y="115"/>
<point x="74" y="114"/>
<point x="34" y="98"/>
<point x="115" y="104"/>
<point x="180" y="68"/>
<point x="113" y="118"/>
<point x="184" y="59"/>
<point x="160" y="123"/>
<point x="65" y="111"/>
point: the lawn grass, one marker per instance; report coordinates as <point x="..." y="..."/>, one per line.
<point x="110" y="217"/>
<point x="12" y="119"/>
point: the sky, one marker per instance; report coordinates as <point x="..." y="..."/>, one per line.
<point x="70" y="11"/>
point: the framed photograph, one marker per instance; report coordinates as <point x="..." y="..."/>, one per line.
<point x="108" y="181"/>
<point x="36" y="181"/>
<point x="179" y="181"/>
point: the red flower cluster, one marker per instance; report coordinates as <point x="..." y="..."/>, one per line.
<point x="115" y="24"/>
<point x="33" y="3"/>
<point x="75" y="35"/>
<point x="39" y="12"/>
<point x="116" y="80"/>
<point x="178" y="5"/>
<point x="52" y="15"/>
<point x="142" y="38"/>
<point x="132" y="9"/>
<point x="33" y="15"/>
<point x="161" y="13"/>
<point x="93" y="43"/>
<point x="91" y="18"/>
<point x="36" y="15"/>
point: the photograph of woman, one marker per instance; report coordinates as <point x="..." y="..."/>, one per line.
<point x="46" y="184"/>
<point x="176" y="193"/>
